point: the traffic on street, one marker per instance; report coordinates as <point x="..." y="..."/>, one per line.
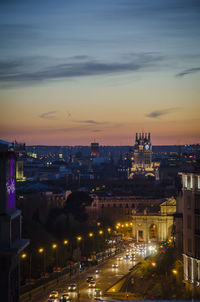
<point x="91" y="284"/>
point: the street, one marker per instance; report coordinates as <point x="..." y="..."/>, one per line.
<point x="106" y="277"/>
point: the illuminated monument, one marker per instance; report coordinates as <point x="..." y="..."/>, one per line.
<point x="11" y="243"/>
<point x="143" y="164"/>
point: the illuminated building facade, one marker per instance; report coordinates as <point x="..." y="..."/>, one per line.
<point x="143" y="164"/>
<point x="154" y="227"/>
<point x="191" y="227"/>
<point x="20" y="154"/>
<point x="11" y="243"/>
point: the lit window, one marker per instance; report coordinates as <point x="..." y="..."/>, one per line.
<point x="198" y="182"/>
<point x="191" y="182"/>
<point x="185" y="181"/>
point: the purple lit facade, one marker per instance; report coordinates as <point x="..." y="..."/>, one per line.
<point x="10" y="184"/>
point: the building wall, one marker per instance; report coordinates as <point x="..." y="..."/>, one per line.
<point x="191" y="227"/>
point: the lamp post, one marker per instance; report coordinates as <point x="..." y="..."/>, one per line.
<point x="65" y="242"/>
<point x="41" y="252"/>
<point x="78" y="238"/>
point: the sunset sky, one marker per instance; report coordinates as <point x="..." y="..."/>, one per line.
<point x="72" y="71"/>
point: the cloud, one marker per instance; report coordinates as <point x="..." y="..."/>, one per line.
<point x="158" y="113"/>
<point x="73" y="68"/>
<point x="91" y="122"/>
<point x="188" y="71"/>
<point x="50" y="115"/>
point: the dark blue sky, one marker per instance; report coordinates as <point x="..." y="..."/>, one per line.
<point x="71" y="46"/>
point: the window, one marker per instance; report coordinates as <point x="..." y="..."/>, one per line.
<point x="197" y="202"/>
<point x="189" y="245"/>
<point x="114" y="205"/>
<point x="198" y="182"/>
<point x="126" y="205"/>
<point x="189" y="222"/>
<point x="197" y="224"/>
<point x="197" y="247"/>
<point x="191" y="182"/>
<point x="120" y="205"/>
<point x="102" y="205"/>
<point x="188" y="202"/>
<point x="185" y="182"/>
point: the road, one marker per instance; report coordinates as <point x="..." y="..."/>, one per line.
<point x="106" y="277"/>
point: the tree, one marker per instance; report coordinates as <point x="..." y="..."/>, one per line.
<point x="76" y="203"/>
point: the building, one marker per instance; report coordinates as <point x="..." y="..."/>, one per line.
<point x="11" y="243"/>
<point x="155" y="227"/>
<point x="94" y="151"/>
<point x="191" y="227"/>
<point x="120" y="208"/>
<point x="20" y="152"/>
<point x="143" y="165"/>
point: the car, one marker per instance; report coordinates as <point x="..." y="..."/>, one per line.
<point x="126" y="257"/>
<point x="97" y="294"/>
<point x="92" y="284"/>
<point x="53" y="294"/>
<point x="72" y="287"/>
<point x="89" y="279"/>
<point x="114" y="265"/>
<point x="65" y="297"/>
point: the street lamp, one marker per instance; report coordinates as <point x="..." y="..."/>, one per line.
<point x="65" y="242"/>
<point x="174" y="272"/>
<point x="100" y="232"/>
<point x="90" y="235"/>
<point x="109" y="230"/>
<point x="79" y="238"/>
<point x="153" y="264"/>
<point x="24" y="255"/>
<point x="54" y="247"/>
<point x="41" y="251"/>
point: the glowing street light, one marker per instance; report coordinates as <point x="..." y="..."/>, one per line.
<point x="65" y="242"/>
<point x="98" y="223"/>
<point x="174" y="272"/>
<point x="153" y="264"/>
<point x="41" y="250"/>
<point x="79" y="238"/>
<point x="126" y="224"/>
<point x="109" y="230"/>
<point x="100" y="232"/>
<point x="24" y="255"/>
<point x="54" y="246"/>
<point x="90" y="234"/>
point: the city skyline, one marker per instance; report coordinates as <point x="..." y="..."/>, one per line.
<point x="73" y="72"/>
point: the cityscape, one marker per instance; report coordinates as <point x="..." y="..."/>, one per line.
<point x="99" y="150"/>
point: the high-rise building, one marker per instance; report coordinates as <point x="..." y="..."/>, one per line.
<point x="191" y="227"/>
<point x="143" y="164"/>
<point x="94" y="150"/>
<point x="11" y="243"/>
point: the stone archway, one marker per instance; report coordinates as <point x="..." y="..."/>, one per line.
<point x="153" y="232"/>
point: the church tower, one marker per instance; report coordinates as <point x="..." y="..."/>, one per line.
<point x="143" y="164"/>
